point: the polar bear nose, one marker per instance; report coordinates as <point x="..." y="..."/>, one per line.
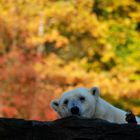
<point x="75" y="110"/>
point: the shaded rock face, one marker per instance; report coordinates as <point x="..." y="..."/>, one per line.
<point x="130" y="118"/>
<point x="71" y="128"/>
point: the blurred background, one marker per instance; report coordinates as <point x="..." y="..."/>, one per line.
<point x="49" y="46"/>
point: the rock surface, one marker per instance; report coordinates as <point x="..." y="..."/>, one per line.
<point x="71" y="128"/>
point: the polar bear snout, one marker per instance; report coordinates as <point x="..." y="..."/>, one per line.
<point x="75" y="110"/>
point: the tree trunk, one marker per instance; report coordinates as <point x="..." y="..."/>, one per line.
<point x="71" y="128"/>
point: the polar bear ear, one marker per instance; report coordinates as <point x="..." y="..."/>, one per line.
<point x="55" y="104"/>
<point x="95" y="91"/>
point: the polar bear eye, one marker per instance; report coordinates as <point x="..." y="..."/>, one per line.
<point x="66" y="102"/>
<point x="82" y="98"/>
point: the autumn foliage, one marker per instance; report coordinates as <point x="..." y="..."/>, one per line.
<point x="49" y="46"/>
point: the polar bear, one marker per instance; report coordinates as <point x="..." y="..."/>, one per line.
<point x="87" y="103"/>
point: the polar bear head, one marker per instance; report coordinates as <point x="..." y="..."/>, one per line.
<point x="80" y="102"/>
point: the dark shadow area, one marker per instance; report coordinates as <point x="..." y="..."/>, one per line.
<point x="71" y="128"/>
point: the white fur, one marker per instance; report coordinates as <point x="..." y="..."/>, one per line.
<point x="92" y="107"/>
